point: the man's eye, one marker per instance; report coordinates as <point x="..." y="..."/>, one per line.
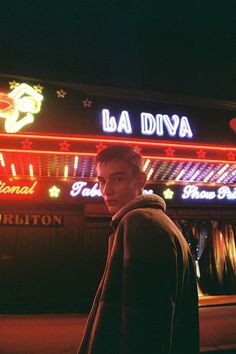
<point x="118" y="179"/>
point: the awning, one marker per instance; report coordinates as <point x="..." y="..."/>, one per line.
<point x="72" y="157"/>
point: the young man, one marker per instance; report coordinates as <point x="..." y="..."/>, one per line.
<point x="147" y="300"/>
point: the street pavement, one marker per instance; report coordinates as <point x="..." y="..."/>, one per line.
<point x="218" y="324"/>
<point x="218" y="329"/>
<point x="41" y="334"/>
<point x="61" y="333"/>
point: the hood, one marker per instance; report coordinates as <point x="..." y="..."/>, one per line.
<point x="142" y="201"/>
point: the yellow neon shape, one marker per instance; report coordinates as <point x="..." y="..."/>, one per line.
<point x="24" y="102"/>
<point x="13" y="84"/>
<point x="168" y="193"/>
<point x="54" y="192"/>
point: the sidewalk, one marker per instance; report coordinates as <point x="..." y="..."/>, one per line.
<point x="218" y="350"/>
<point x="220" y="300"/>
<point x="61" y="333"/>
<point x="212" y="301"/>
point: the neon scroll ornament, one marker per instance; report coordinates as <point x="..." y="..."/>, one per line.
<point x="19" y="106"/>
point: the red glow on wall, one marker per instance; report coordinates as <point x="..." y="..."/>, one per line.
<point x="112" y="140"/>
<point x="232" y="124"/>
<point x="5" y="102"/>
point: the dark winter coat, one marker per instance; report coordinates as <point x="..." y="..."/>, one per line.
<point x="147" y="300"/>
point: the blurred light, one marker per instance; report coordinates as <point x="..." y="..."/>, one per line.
<point x="195" y="175"/>
<point x="147" y="162"/>
<point x="76" y="162"/>
<point x="13" y="170"/>
<point x="206" y="179"/>
<point x="222" y="177"/>
<point x="2" y="160"/>
<point x="222" y="170"/>
<point x="168" y="193"/>
<point x="31" y="170"/>
<point x="180" y="174"/>
<point x="66" y="170"/>
<point x="54" y="192"/>
<point x="149" y="173"/>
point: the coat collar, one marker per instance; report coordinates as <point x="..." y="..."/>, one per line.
<point x="142" y="201"/>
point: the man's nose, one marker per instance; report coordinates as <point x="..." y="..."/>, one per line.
<point x="107" y="189"/>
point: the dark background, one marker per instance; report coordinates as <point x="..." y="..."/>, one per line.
<point x="186" y="47"/>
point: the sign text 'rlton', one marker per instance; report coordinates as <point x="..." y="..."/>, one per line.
<point x="44" y="220"/>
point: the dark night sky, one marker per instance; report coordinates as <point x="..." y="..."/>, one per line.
<point x="186" y="47"/>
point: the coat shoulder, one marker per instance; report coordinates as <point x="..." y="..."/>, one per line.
<point x="141" y="216"/>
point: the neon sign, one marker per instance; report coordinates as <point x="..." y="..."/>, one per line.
<point x="168" y="193"/>
<point x="79" y="188"/>
<point x="19" y="106"/>
<point x="188" y="193"/>
<point x="155" y="125"/>
<point x="7" y="189"/>
<point x="159" y="125"/>
<point x="54" y="192"/>
<point x="193" y="192"/>
<point x="110" y="124"/>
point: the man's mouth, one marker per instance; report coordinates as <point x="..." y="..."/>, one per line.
<point x="111" y="202"/>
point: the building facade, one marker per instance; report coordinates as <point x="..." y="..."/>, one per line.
<point x="54" y="225"/>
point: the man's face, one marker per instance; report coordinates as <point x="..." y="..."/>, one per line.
<point x="118" y="183"/>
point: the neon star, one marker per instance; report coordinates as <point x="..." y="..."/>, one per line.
<point x="100" y="147"/>
<point x="54" y="192"/>
<point x="201" y="154"/>
<point x="170" y="152"/>
<point x="137" y="149"/>
<point x="87" y="102"/>
<point x="61" y="93"/>
<point x="64" y="146"/>
<point x="231" y="155"/>
<point x="38" y="88"/>
<point x="168" y="193"/>
<point x="26" y="144"/>
<point x="13" y="84"/>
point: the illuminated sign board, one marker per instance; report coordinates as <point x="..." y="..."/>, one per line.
<point x="49" y="220"/>
<point x="172" y="194"/>
<point x="191" y="192"/>
<point x="159" y="125"/>
<point x="72" y="110"/>
<point x="80" y="188"/>
<point x="58" y="192"/>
